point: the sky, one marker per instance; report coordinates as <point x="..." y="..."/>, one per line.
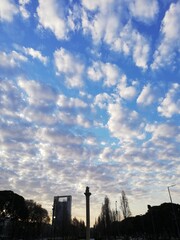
<point x="89" y="96"/>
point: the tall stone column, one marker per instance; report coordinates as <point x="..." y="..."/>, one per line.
<point x="87" y="194"/>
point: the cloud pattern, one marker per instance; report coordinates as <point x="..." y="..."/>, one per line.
<point x="74" y="115"/>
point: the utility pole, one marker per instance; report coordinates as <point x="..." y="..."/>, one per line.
<point x="87" y="194"/>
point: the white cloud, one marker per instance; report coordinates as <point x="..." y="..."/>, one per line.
<point x="69" y="65"/>
<point x="7" y="10"/>
<point x="91" y="141"/>
<point x="170" y="43"/>
<point x="101" y="5"/>
<point x="103" y="20"/>
<point x="112" y="28"/>
<point x="43" y="102"/>
<point x="126" y="92"/>
<point x="39" y="104"/>
<point x="95" y="28"/>
<point x="171" y="18"/>
<point x="51" y="16"/>
<point x="11" y="103"/>
<point x="144" y="10"/>
<point x="107" y="72"/>
<point x="132" y="43"/>
<point x="111" y="74"/>
<point x="106" y="22"/>
<point x="123" y="123"/>
<point x="37" y="93"/>
<point x="170" y="105"/>
<point x="106" y="155"/>
<point x="146" y="96"/>
<point x="82" y="121"/>
<point x="140" y="50"/>
<point x="95" y="72"/>
<point x="91" y="5"/>
<point x="39" y="114"/>
<point x="74" y="17"/>
<point x="11" y="60"/>
<point x="22" y="8"/>
<point x="102" y="100"/>
<point x="164" y="135"/>
<point x="66" y="102"/>
<point x="57" y="136"/>
<point x="74" y="120"/>
<point x="35" y="54"/>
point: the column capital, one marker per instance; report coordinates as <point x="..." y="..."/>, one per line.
<point x="87" y="193"/>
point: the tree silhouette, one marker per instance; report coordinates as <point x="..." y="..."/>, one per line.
<point x="12" y="205"/>
<point x="36" y="212"/>
<point x="103" y="225"/>
<point x="78" y="228"/>
<point x="125" y="205"/>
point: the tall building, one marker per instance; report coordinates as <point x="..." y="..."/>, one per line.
<point x="61" y="218"/>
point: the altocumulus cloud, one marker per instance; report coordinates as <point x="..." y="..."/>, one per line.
<point x="89" y="95"/>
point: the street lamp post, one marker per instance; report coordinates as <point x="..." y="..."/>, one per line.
<point x="177" y="226"/>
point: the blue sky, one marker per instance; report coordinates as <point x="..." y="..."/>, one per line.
<point x="89" y="95"/>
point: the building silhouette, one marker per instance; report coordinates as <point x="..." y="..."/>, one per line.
<point x="61" y="218"/>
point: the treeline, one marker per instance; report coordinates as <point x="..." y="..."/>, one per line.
<point x="26" y="219"/>
<point x="16" y="207"/>
<point x="20" y="217"/>
<point x="159" y="222"/>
